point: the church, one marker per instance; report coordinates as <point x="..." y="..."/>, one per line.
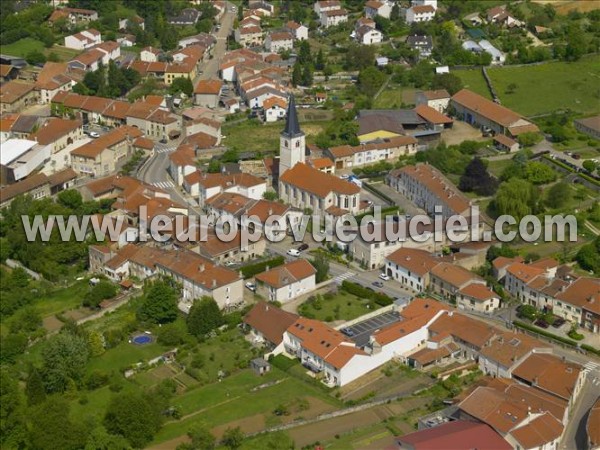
<point x="304" y="187"/>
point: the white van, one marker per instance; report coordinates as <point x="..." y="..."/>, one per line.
<point x="293" y="252"/>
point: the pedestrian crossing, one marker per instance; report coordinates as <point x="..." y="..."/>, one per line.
<point x="164" y="184"/>
<point x="591" y="365"/>
<point x="343" y="276"/>
<point x="165" y="149"/>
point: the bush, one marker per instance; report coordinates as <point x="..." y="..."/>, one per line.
<point x="253" y="269"/>
<point x="363" y="292"/>
<point x="573" y="334"/>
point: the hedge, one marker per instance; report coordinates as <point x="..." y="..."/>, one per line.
<point x="363" y="292"/>
<point x="254" y="269"/>
<point x="388" y="210"/>
<point x="378" y="193"/>
<point x="539" y="331"/>
<point x="589" y="348"/>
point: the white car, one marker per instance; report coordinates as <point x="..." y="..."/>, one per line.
<point x="293" y="252"/>
<point x="251" y="286"/>
<point x="384" y="277"/>
<point x="94" y="135"/>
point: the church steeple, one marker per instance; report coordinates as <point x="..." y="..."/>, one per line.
<point x="292" y="126"/>
<point x="291" y="142"/>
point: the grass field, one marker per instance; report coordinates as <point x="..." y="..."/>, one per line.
<point x="251" y="135"/>
<point x="23" y="47"/>
<point x="473" y="79"/>
<point x="234" y="399"/>
<point x="543" y="88"/>
<point x="343" y="306"/>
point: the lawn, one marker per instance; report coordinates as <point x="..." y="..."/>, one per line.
<point x="63" y="299"/>
<point x="23" y="47"/>
<point x="550" y="87"/>
<point x="251" y="135"/>
<point x="339" y="306"/>
<point x="497" y="167"/>
<point x="473" y="79"/>
<point x="233" y="399"/>
<point x="389" y="98"/>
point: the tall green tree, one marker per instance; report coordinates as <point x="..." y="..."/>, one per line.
<point x="516" y="198"/>
<point x="558" y="195"/>
<point x="12" y="411"/>
<point x="321" y="264"/>
<point x="34" y="390"/>
<point x="133" y="416"/>
<point x="370" y="80"/>
<point x="53" y="429"/>
<point x="297" y="74"/>
<point x="182" y="84"/>
<point x="160" y="303"/>
<point x="307" y="75"/>
<point x="233" y="438"/>
<point x="477" y="179"/>
<point x="64" y="360"/>
<point x="204" y="317"/>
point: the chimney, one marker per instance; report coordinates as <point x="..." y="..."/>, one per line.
<point x="267" y="268"/>
<point x="201" y="267"/>
<point x="214" y="283"/>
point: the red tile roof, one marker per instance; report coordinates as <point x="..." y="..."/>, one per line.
<point x="287" y="274"/>
<point x="432" y="115"/>
<point x="321" y="184"/>
<point x="270" y="321"/>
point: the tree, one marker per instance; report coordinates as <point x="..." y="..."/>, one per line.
<point x="70" y="198"/>
<point x="304" y="55"/>
<point x="589" y="165"/>
<point x="171" y="335"/>
<point x="182" y="84"/>
<point x="588" y="256"/>
<point x="34" y="390"/>
<point x="12" y="411"/>
<point x="297" y="74"/>
<point x="307" y="75"/>
<point x="516" y="198"/>
<point x="65" y="357"/>
<point x="13" y="345"/>
<point x="204" y="317"/>
<point x="270" y="195"/>
<point x="539" y="173"/>
<point x="233" y="438"/>
<point x="395" y="13"/>
<point x="321" y="264"/>
<point x="53" y="429"/>
<point x="134" y="417"/>
<point x="359" y="56"/>
<point x="558" y="195"/>
<point x="160" y="303"/>
<point x="202" y="439"/>
<point x="576" y="43"/>
<point x="100" y="439"/>
<point x="95" y="343"/>
<point x="477" y="179"/>
<point x="529" y="139"/>
<point x="370" y="80"/>
<point x="101" y="291"/>
<point x="35" y="57"/>
<point x="448" y="81"/>
<point x="214" y="166"/>
<point x="320" y="61"/>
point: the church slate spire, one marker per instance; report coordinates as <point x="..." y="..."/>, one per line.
<point x="292" y="126"/>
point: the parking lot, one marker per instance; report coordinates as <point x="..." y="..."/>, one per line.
<point x="361" y="331"/>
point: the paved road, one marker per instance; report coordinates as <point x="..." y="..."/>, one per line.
<point x="576" y="435"/>
<point x="211" y="69"/>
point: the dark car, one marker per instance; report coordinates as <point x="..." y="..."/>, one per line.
<point x="302" y="247"/>
<point x="378" y="284"/>
<point x="558" y="322"/>
<point x="347" y="331"/>
<point x="541" y="323"/>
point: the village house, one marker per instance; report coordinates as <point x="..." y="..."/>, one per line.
<point x="53" y="78"/>
<point x="250" y="36"/>
<point x="58" y="133"/>
<point x="387" y="149"/>
<point x="421" y="43"/>
<point x="73" y="16"/>
<point x="366" y="35"/>
<point x="38" y="186"/>
<point x="187" y="17"/>
<point x="205" y="40"/>
<point x="420" y="13"/>
<point x="224" y="252"/>
<point x="505" y="144"/>
<point x="286" y="282"/>
<point x="104" y="155"/>
<point x="83" y="40"/>
<point x="153" y="121"/>
<point x="150" y="54"/>
<point x="427" y="188"/>
<point x="267" y="324"/>
<point x="275" y="108"/>
<point x="15" y="96"/>
<point x="501" y="16"/>
<point x="448" y="279"/>
<point x="438" y="99"/>
<point x="477" y="297"/>
<point x="410" y="267"/>
<point x="375" y="8"/>
<point x="207" y="93"/>
<point x="210" y="184"/>
<point x="299" y="31"/>
<point x="89" y="60"/>
<point x="279" y="41"/>
<point x="331" y="18"/>
<point x="326" y="5"/>
<point x="20" y="158"/>
<point x="481" y="112"/>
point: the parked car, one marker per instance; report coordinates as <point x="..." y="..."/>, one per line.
<point x="378" y="284"/>
<point x="558" y="322"/>
<point x="251" y="286"/>
<point x="303" y="247"/>
<point x="347" y="331"/>
<point x="293" y="252"/>
<point x="94" y="134"/>
<point x="384" y="277"/>
<point x="541" y="323"/>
